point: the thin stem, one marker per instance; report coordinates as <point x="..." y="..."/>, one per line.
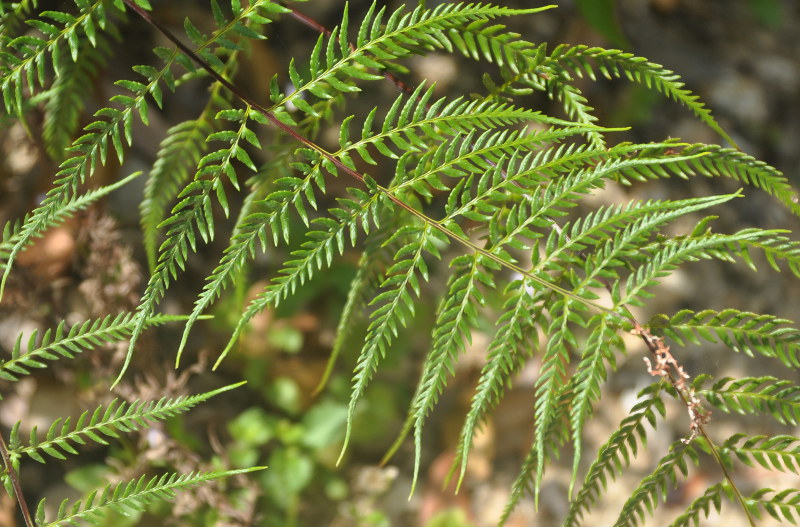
<point x="12" y="475"/>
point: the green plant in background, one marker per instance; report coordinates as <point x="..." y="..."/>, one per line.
<point x="482" y="182"/>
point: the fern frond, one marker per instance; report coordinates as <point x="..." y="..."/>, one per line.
<point x="326" y="238"/>
<point x="754" y="395"/>
<point x="588" y="379"/>
<point x="782" y="505"/>
<point x="63" y="343"/>
<point x="333" y="66"/>
<point x="181" y="149"/>
<point x="132" y="496"/>
<point x="712" y="497"/>
<point x="374" y="260"/>
<point x="508" y="351"/>
<point x="780" y="452"/>
<point x="613" y="63"/>
<point x="107" y="421"/>
<point x="645" y="497"/>
<point x="455" y="318"/>
<point x="67" y="96"/>
<point x="745" y="332"/>
<point x="26" y="58"/>
<point x="618" y="452"/>
<point x="665" y="256"/>
<point x="729" y="162"/>
<point x="193" y="215"/>
<point x="557" y="434"/>
<point x="92" y="147"/>
<point x="13" y="14"/>
<point x="12" y="231"/>
<point x="395" y="306"/>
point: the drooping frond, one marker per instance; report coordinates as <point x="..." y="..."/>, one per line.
<point x="456" y="317"/>
<point x="508" y="351"/>
<point x="394" y="305"/>
<point x="558" y="435"/>
<point x="618" y="452"/>
<point x="598" y="354"/>
<point x="325" y="239"/>
<point x="712" y="497"/>
<point x="375" y="258"/>
<point x="128" y="497"/>
<point x="654" y="487"/>
<point x="735" y="164"/>
<point x="180" y="150"/>
<point x="193" y="215"/>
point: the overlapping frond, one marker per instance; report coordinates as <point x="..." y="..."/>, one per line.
<point x="655" y="486"/>
<point x="618" y="452"/>
<point x="25" y="59"/>
<point x="66" y="97"/>
<point x="66" y="343"/>
<point x="112" y="128"/>
<point x="180" y="150"/>
<point x="612" y="63"/>
<point x="105" y="422"/>
<point x="128" y="497"/>
<point x="394" y="304"/>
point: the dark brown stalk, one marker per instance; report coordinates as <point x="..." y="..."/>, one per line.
<point x="14" y="477"/>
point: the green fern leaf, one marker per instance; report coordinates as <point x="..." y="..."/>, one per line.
<point x="618" y="452"/>
<point x="754" y="395"/>
<point x="646" y="496"/>
<point x="741" y="331"/>
<point x="132" y="496"/>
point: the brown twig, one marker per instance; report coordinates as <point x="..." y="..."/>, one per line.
<point x="14" y="477"/>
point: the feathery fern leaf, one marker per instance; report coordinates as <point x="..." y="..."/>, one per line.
<point x="712" y="497"/>
<point x="618" y="452"/>
<point x="106" y="421"/>
<point x="655" y="486"/>
<point x="65" y="343"/>
<point x="613" y="63"/>
<point x="134" y="495"/>
<point x="66" y="97"/>
<point x="11" y="231"/>
<point x="741" y="331"/>
<point x="782" y="505"/>
<point x="754" y="395"/>
<point x="181" y="149"/>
